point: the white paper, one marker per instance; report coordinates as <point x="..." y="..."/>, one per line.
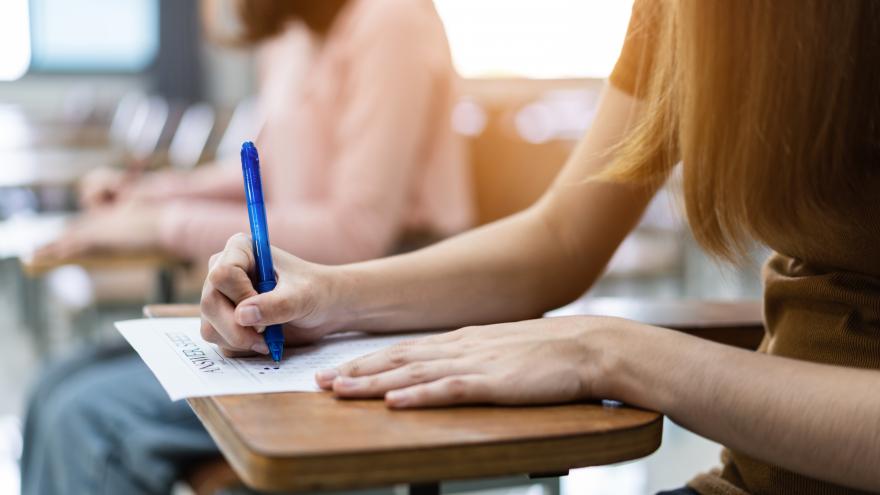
<point x="187" y="366"/>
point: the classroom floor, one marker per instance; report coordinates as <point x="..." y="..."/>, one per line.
<point x="681" y="455"/>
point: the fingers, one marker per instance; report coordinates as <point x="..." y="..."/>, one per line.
<point x="235" y="354"/>
<point x="227" y="284"/>
<point x="393" y="357"/>
<point x="398" y="378"/>
<point x="228" y="271"/>
<point x="101" y="187"/>
<point x="278" y="306"/>
<point x="219" y="326"/>
<point x="451" y="390"/>
<point x="70" y="245"/>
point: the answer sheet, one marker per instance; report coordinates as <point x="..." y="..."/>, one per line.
<point x="187" y="366"/>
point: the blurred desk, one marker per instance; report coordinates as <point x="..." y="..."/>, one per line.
<point x="21" y="235"/>
<point x="736" y="323"/>
<point x="335" y="444"/>
<point x="20" y="130"/>
<point x="163" y="264"/>
<point x="51" y="167"/>
<point x="109" y="261"/>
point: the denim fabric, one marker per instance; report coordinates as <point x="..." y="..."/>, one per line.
<point x="679" y="491"/>
<point x="100" y="423"/>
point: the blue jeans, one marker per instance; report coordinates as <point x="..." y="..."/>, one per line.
<point x="100" y="423"/>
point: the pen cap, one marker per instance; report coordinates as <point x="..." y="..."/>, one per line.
<point x="250" y="167"/>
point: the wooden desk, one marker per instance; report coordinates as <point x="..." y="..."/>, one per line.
<point x="331" y="444"/>
<point x="163" y="265"/>
<point x="736" y="323"/>
<point x="21" y="130"/>
<point x="21" y="236"/>
<point x="147" y="259"/>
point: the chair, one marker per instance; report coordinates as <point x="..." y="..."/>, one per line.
<point x="191" y="137"/>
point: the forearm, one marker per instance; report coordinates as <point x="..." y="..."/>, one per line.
<point x="819" y="420"/>
<point x="209" y="182"/>
<point x="504" y="271"/>
<point x="518" y="267"/>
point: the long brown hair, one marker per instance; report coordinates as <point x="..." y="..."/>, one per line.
<point x="773" y="107"/>
<point x="263" y="19"/>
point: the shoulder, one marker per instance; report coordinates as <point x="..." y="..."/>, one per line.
<point x="636" y="60"/>
<point x="396" y="20"/>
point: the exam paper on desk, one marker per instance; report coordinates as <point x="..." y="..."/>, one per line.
<point x="187" y="366"/>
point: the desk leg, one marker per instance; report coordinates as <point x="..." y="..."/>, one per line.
<point x="424" y="489"/>
<point x="35" y="309"/>
<point x="166" y="285"/>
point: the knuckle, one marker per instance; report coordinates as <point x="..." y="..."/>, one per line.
<point x="220" y="275"/>
<point x="208" y="303"/>
<point x="207" y="332"/>
<point x="457" y="388"/>
<point x="417" y="371"/>
<point x="213" y="259"/>
<point x="238" y="340"/>
<point x="284" y="305"/>
<point x="353" y="368"/>
<point x="237" y="239"/>
<point x="398" y="355"/>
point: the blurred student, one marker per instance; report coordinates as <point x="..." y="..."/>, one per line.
<point x="773" y="107"/>
<point x="357" y="148"/>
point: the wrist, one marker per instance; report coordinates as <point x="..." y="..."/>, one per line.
<point x="365" y="299"/>
<point x="341" y="287"/>
<point x="630" y="360"/>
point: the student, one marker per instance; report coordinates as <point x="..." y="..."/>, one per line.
<point x="773" y="107"/>
<point x="357" y="148"/>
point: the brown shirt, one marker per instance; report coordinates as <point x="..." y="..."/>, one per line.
<point x="821" y="295"/>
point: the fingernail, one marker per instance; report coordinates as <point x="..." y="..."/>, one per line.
<point x="248" y="315"/>
<point x="260" y="347"/>
<point x="345" y="382"/>
<point x="326" y="375"/>
<point x="397" y="398"/>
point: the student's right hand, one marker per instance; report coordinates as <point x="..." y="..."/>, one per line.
<point x="234" y="315"/>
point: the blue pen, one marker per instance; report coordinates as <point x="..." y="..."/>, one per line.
<point x="265" y="279"/>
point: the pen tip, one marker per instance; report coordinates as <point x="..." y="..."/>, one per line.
<point x="276" y="350"/>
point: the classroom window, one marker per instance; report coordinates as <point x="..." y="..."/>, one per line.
<point x="543" y="40"/>
<point x="15" y="48"/>
<point x="94" y="35"/>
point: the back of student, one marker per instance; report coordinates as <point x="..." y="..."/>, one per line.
<point x="822" y="285"/>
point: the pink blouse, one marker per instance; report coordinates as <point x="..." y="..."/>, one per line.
<point x="356" y="147"/>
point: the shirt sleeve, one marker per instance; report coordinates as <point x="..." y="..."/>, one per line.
<point x="221" y="180"/>
<point x="195" y="229"/>
<point x="633" y="68"/>
<point x="379" y="133"/>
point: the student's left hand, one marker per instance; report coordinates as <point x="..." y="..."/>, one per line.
<point x="128" y="228"/>
<point x="550" y="360"/>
